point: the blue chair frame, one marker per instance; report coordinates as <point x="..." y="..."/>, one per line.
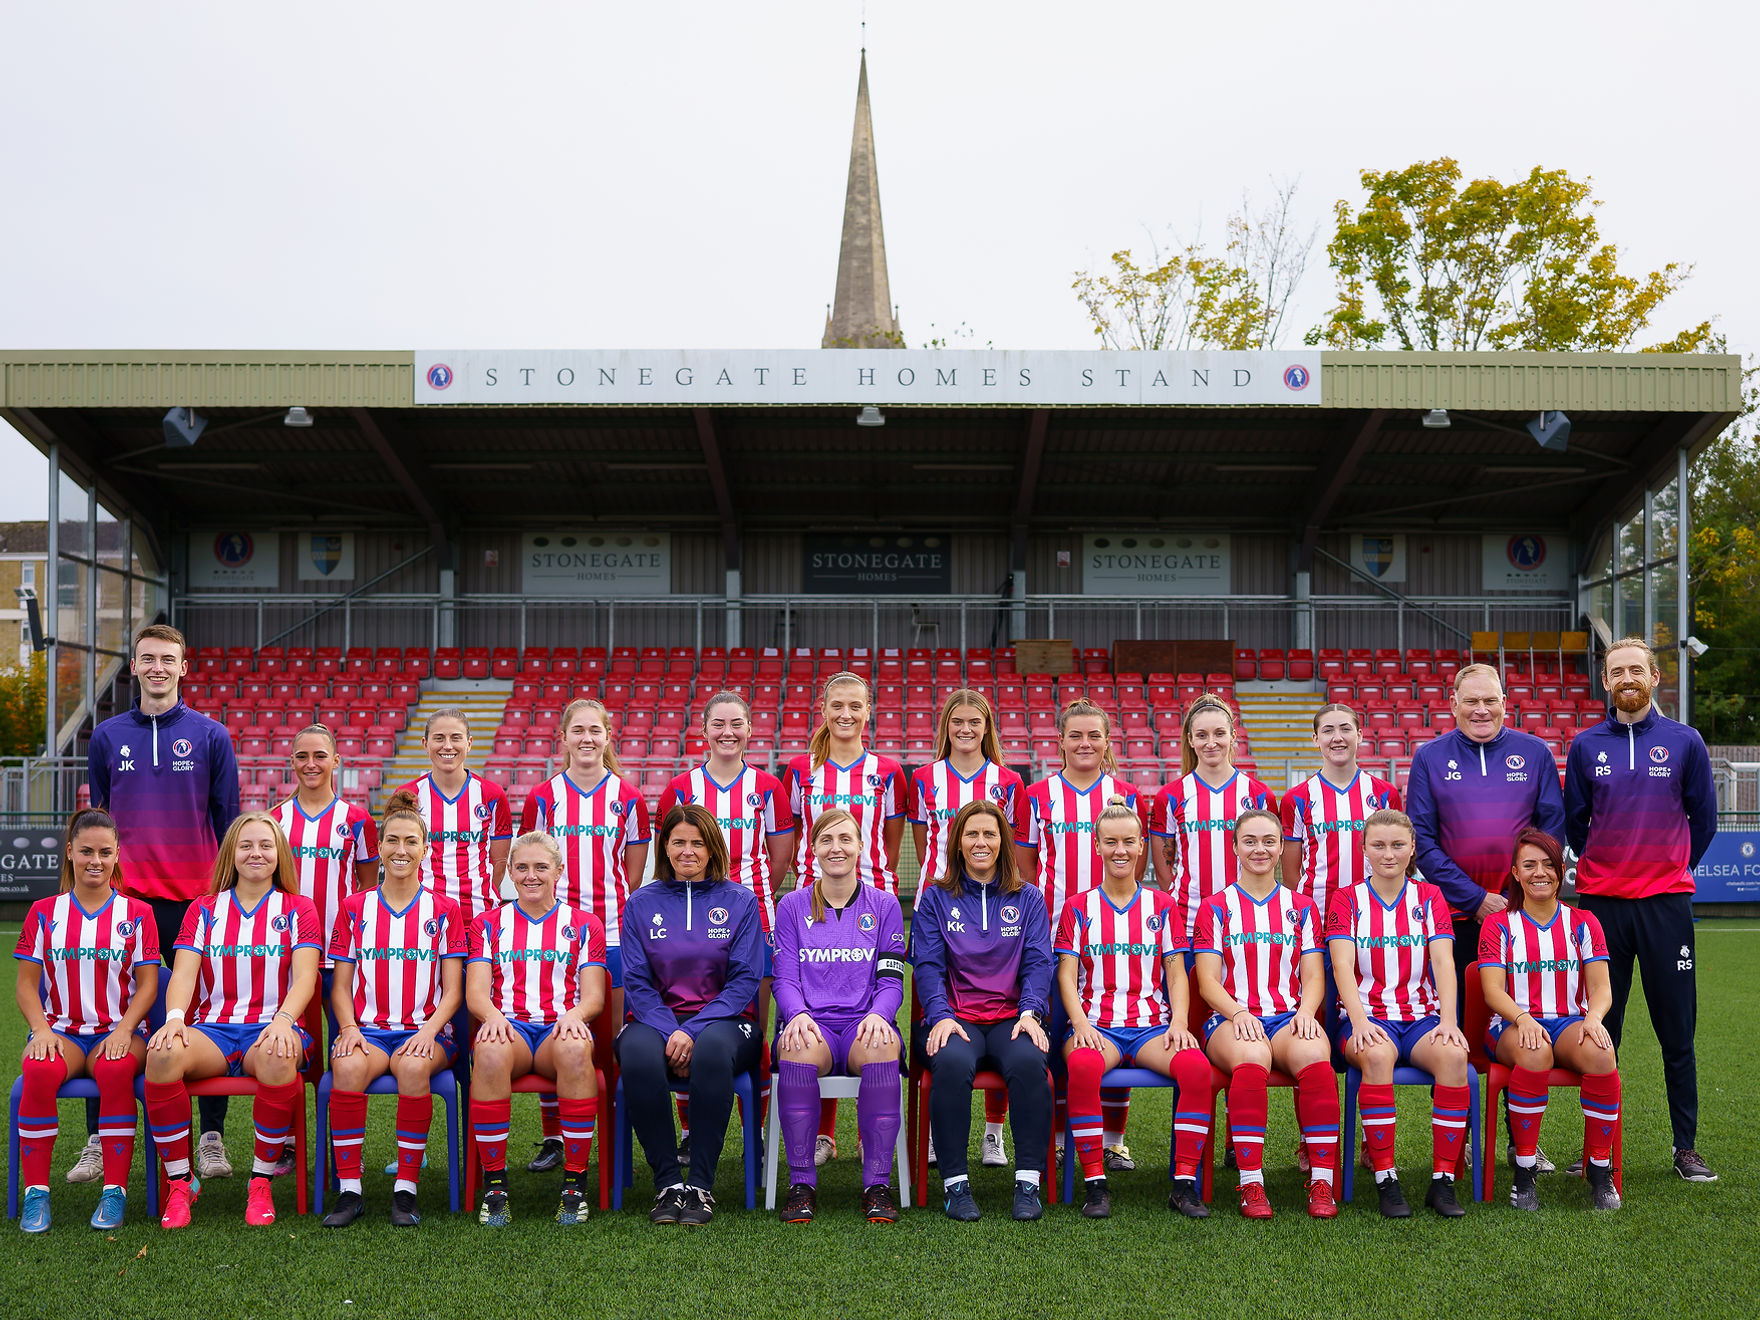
<point x="443" y="1084"/>
<point x="81" y="1088"/>
<point x="1134" y="1078"/>
<point x="1402" y="1076"/>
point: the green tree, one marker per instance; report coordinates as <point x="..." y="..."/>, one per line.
<point x="1427" y="261"/>
<point x="23" y="705"/>
<point x="1191" y="298"/>
<point x="1724" y="573"/>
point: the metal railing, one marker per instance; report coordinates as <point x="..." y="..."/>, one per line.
<point x="785" y="621"/>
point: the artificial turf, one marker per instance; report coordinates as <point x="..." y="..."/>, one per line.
<point x="1675" y="1249"/>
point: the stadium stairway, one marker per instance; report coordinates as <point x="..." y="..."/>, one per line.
<point x="483" y="701"/>
<point x="1279" y="719"/>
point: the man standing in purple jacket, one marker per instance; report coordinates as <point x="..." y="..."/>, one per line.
<point x="1469" y="794"/>
<point x="1641" y="809"/>
<point x="168" y="777"/>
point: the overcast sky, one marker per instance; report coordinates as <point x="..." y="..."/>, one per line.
<point x="583" y="175"/>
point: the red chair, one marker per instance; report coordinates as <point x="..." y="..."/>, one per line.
<point x="604" y="1068"/>
<point x="1476" y="1022"/>
<point x="313" y="1022"/>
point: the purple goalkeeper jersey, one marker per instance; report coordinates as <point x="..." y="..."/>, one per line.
<point x="1468" y="801"/>
<point x="842" y="968"/>
<point x="692" y="954"/>
<point x="981" y="955"/>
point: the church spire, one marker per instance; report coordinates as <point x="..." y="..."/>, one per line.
<point x="862" y="316"/>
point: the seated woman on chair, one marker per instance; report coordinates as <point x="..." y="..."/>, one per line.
<point x="87" y="976"/>
<point x="399" y="951"/>
<point x="1260" y="969"/>
<point x="535" y="981"/>
<point x="1392" y="947"/>
<point x="693" y="954"/>
<point x="840" y="964"/>
<point x="1543" y="967"/>
<point x="1122" y="974"/>
<point x="246" y="968"/>
<point x="981" y="952"/>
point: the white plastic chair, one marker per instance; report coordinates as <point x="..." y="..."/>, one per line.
<point x="832" y="1086"/>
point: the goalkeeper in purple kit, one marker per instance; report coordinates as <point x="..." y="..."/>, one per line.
<point x="840" y="964"/>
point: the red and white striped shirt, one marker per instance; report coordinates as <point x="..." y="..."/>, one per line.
<point x="1328" y="822"/>
<point x="751" y="809"/>
<point x="594" y="826"/>
<point x="536" y="965"/>
<point x="396" y="955"/>
<point x="326" y="849"/>
<point x="460" y="830"/>
<point x="88" y="958"/>
<point x="1543" y="965"/>
<point x="872" y="788"/>
<point x="1061" y="822"/>
<point x="1119" y="952"/>
<point x="247" y="957"/>
<point x="1261" y="943"/>
<point x="1393" y="946"/>
<point x="938" y="791"/>
<point x="1200" y="822"/>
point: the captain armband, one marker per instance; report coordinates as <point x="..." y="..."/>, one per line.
<point x="888" y="965"/>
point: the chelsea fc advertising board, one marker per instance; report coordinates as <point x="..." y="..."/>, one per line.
<point x="1729" y="872"/>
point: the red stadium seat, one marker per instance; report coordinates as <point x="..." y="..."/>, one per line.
<point x="1301" y="666"/>
<point x="1246" y="665"/>
<point x="1272" y="665"/>
<point x="448" y="662"/>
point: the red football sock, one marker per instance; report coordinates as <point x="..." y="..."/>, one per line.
<point x="1376" y="1104"/>
<point x="577" y="1122"/>
<point x="828" y="1119"/>
<point x="39" y="1122"/>
<point x="548" y="1118"/>
<point x="1449" y="1107"/>
<point x="115" y="1079"/>
<point x="348" y="1131"/>
<point x="1527" y="1095"/>
<point x="1247" y="1109"/>
<point x="1085" y="1068"/>
<point x="1600" y="1115"/>
<point x="682" y="1104"/>
<point x="415" y="1116"/>
<point x="168" y="1115"/>
<point x="995" y="1106"/>
<point x="1191" y="1119"/>
<point x="490" y="1120"/>
<point x="1115" y="1109"/>
<point x="272" y="1113"/>
<point x="1317" y="1111"/>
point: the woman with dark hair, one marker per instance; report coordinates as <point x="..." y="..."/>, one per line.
<point x="981" y="955"/>
<point x="693" y="955"/>
<point x="399" y="952"/>
<point x="246" y="967"/>
<point x="1543" y="966"/>
<point x="87" y="977"/>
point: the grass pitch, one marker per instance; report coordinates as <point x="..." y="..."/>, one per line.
<point x="1676" y="1249"/>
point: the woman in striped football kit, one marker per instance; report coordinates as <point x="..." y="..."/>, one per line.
<point x="535" y="980"/>
<point x="1261" y="970"/>
<point x="1121" y="971"/>
<point x="246" y="968"/>
<point x="1392" y="946"/>
<point x="88" y="972"/>
<point x="399" y="950"/>
<point x="1544" y="969"/>
<point x="600" y="821"/>
<point x="469" y="823"/>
